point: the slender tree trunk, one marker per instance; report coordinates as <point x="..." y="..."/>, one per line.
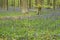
<point x="54" y="3"/>
<point x="21" y="5"/>
<point x="1" y="3"/>
<point x="14" y="4"/>
<point x="7" y="4"/>
<point x="30" y="4"/>
<point x="18" y="3"/>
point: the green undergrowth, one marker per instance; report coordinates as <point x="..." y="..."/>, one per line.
<point x="29" y="28"/>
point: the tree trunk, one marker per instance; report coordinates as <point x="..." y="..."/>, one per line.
<point x="14" y="4"/>
<point x="24" y="6"/>
<point x="48" y="2"/>
<point x="54" y="3"/>
<point x="30" y="4"/>
<point x="18" y="3"/>
<point x="39" y="4"/>
<point x="1" y="3"/>
<point x="7" y="4"/>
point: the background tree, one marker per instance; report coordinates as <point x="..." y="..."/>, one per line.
<point x="39" y="6"/>
<point x="24" y="6"/>
<point x="1" y="4"/>
<point x="19" y="3"/>
<point x="30" y="4"/>
<point x="14" y="4"/>
<point x="54" y="4"/>
<point x="7" y="4"/>
<point x="48" y="2"/>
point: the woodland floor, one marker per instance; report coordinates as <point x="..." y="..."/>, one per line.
<point x="31" y="25"/>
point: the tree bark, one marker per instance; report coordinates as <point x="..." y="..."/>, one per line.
<point x="54" y="3"/>
<point x="7" y="4"/>
<point x="30" y="4"/>
<point x="24" y="6"/>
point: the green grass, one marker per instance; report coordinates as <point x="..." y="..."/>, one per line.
<point x="37" y="29"/>
<point x="10" y="14"/>
<point x="14" y="13"/>
<point x="19" y="28"/>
